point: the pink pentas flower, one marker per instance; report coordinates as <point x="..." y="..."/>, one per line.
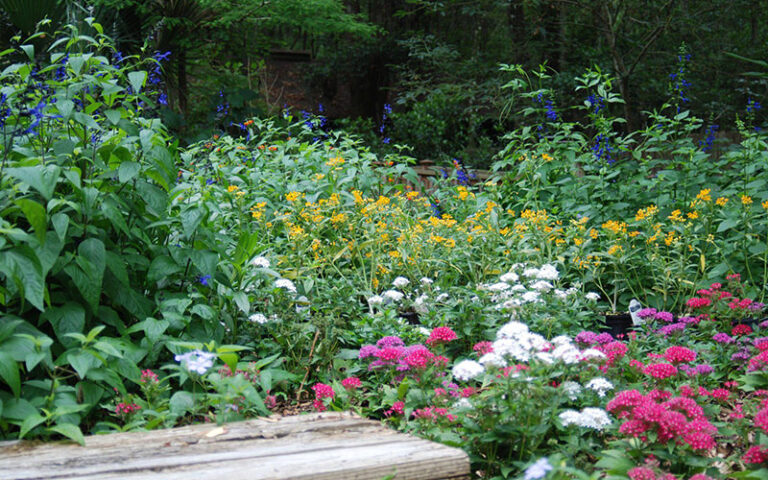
<point x="756" y="454"/>
<point x="699" y="441"/>
<point x="741" y="330"/>
<point x="323" y="390"/>
<point x="677" y="354"/>
<point x="483" y="348"/>
<point x="720" y="394"/>
<point x="664" y="317"/>
<point x="441" y="335"/>
<point x="761" y="419"/>
<point x="123" y="408"/>
<point x="698" y="302"/>
<point x="148" y="376"/>
<point x="351" y="383"/>
<point x="647" y="312"/>
<point x="641" y="473"/>
<point x="660" y="371"/>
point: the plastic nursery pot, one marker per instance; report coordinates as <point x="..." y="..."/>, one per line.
<point x="410" y="317"/>
<point x="752" y="322"/>
<point x="617" y="323"/>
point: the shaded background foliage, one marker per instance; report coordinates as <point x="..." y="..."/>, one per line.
<point x="435" y="61"/>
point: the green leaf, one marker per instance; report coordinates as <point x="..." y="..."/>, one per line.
<point x="70" y="431"/>
<point x="136" y="79"/>
<point x="230" y="359"/>
<point x="36" y="216"/>
<point x="113" y="116"/>
<point x="181" y="402"/>
<point x="127" y="171"/>
<point x="29" y="423"/>
<point x="28" y="272"/>
<point x="29" y="50"/>
<point x="68" y="318"/>
<point x="162" y="267"/>
<point x="155" y="328"/>
<point x="82" y="362"/>
<point x="41" y="178"/>
<point x="727" y="224"/>
<point x="9" y="372"/>
<point x="190" y="219"/>
<point x="242" y="302"/>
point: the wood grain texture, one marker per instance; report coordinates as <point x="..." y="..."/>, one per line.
<point x="322" y="446"/>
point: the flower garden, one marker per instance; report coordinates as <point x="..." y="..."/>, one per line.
<point x="277" y="266"/>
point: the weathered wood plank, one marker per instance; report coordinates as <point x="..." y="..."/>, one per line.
<point x="317" y="446"/>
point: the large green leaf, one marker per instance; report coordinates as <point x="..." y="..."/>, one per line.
<point x="67" y="318"/>
<point x="70" y="431"/>
<point x="41" y="178"/>
<point x="36" y="216"/>
<point x="9" y="373"/>
<point x="29" y="423"/>
<point x="28" y="273"/>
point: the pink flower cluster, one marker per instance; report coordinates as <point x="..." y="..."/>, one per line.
<point x="660" y="371"/>
<point x="351" y="383"/>
<point x="678" y="354"/>
<point x="677" y="418"/>
<point x="615" y="351"/>
<point x="397" y="408"/>
<point x="434" y="413"/>
<point x="441" y="335"/>
<point x="394" y="353"/>
<point x="756" y="454"/>
<point x="322" y="391"/>
<point x="123" y="408"/>
<point x="148" y="376"/>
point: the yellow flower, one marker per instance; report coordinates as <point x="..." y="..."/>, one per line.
<point x="411" y="195"/>
<point x="335" y="162"/>
<point x="676" y="216"/>
<point x="232" y="188"/>
<point x="615" y="249"/>
<point x="293" y="196"/>
<point x="319" y="176"/>
<point x="671" y="238"/>
<point x="615" y="227"/>
<point x="693" y="215"/>
<point x="593" y="233"/>
<point x="721" y="201"/>
<point x="382" y="201"/>
<point x="394" y="254"/>
<point x="634" y="233"/>
<point x="578" y="241"/>
<point x="546" y="157"/>
<point x="765" y="204"/>
<point x="646" y="213"/>
<point x="463" y="193"/>
<point x="746" y="200"/>
<point x="704" y="195"/>
<point x="358" y="196"/>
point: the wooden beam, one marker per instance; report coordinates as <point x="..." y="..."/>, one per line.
<point x="321" y="446"/>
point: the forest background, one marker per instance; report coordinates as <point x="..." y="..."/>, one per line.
<point x="436" y="62"/>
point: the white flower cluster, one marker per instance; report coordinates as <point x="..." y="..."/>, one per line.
<point x="260" y="262"/>
<point x="259" y="318"/>
<point x="600" y="385"/>
<point x="400" y="282"/>
<point x="285" y="284"/>
<point x="467" y="370"/>
<point x="196" y="361"/>
<point x="594" y="418"/>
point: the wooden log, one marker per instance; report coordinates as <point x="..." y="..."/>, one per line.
<point x="322" y="446"/>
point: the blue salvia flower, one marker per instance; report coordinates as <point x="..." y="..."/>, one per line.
<point x="602" y="149"/>
<point x="222" y="109"/>
<point x="204" y="280"/>
<point x="753" y="106"/>
<point x="61" y="72"/>
<point x="551" y="113"/>
<point x="436" y="210"/>
<point x="597" y="102"/>
<point x="5" y="110"/>
<point x="706" y="144"/>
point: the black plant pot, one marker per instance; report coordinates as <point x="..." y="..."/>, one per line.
<point x="752" y="322"/>
<point x="410" y="317"/>
<point x="617" y="323"/>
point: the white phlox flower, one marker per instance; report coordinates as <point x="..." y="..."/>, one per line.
<point x="600" y="385"/>
<point x="400" y="282"/>
<point x="571" y="389"/>
<point x="510" y="277"/>
<point x="259" y="318"/>
<point x="393" y="295"/>
<point x="285" y="284"/>
<point x="592" y="296"/>
<point x="260" y="262"/>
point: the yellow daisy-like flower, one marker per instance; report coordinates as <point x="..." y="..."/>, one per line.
<point x="615" y="249"/>
<point x="704" y="195"/>
<point x="293" y="196"/>
<point x="746" y="200"/>
<point x="721" y="201"/>
<point x="676" y="216"/>
<point x="646" y="213"/>
<point x="232" y="188"/>
<point x="765" y="204"/>
<point x="335" y="162"/>
<point x="693" y="215"/>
